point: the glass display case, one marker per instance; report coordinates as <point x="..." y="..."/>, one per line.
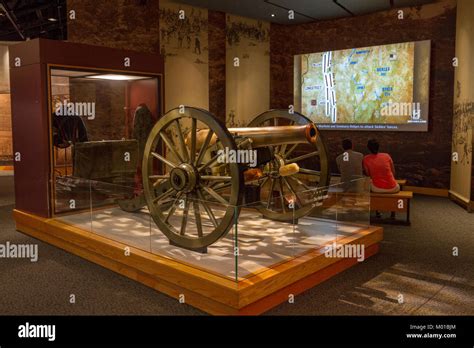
<point x="170" y="188"/>
<point x="99" y="124"/>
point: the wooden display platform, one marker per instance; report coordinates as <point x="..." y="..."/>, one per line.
<point x="204" y="290"/>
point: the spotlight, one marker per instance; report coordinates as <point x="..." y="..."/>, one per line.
<point x="52" y="19"/>
<point x="273" y="15"/>
<point x="116" y="77"/>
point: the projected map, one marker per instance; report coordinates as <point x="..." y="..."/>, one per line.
<point x="359" y="85"/>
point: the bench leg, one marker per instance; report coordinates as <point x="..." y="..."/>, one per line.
<point x="408" y="212"/>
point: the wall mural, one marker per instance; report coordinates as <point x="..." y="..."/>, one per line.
<point x="188" y="33"/>
<point x="462" y="179"/>
<point x="238" y="30"/>
<point x="6" y="147"/>
<point x="463" y="122"/>
<point x="184" y="44"/>
<point x="247" y="69"/>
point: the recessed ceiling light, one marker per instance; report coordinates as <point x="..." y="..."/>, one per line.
<point x="116" y="77"/>
<point x="52" y="19"/>
<point x="273" y="15"/>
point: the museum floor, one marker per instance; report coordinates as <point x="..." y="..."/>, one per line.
<point x="414" y="261"/>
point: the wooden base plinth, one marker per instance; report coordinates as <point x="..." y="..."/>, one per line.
<point x="204" y="290"/>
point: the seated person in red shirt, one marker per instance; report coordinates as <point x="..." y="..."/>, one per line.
<point x="379" y="166"/>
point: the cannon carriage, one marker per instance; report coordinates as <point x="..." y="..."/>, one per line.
<point x="189" y="177"/>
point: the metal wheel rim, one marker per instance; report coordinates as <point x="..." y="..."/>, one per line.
<point x="236" y="193"/>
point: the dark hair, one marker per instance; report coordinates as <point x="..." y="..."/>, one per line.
<point x="347" y="144"/>
<point x="373" y="146"/>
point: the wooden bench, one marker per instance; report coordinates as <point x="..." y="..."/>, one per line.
<point x="401" y="182"/>
<point x="392" y="202"/>
<point x="385" y="202"/>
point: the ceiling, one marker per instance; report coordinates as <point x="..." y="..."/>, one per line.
<point x="305" y="10"/>
<point x="23" y="19"/>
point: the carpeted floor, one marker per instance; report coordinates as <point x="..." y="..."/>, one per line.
<point x="414" y="274"/>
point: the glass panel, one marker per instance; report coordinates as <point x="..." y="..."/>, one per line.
<point x="100" y="122"/>
<point x="322" y="217"/>
<point x="75" y="202"/>
<point x="344" y="213"/>
<point x="354" y="201"/>
<point x="353" y="206"/>
<point x="126" y="220"/>
<point x="317" y="227"/>
<point x="254" y="239"/>
<point x="187" y="225"/>
<point x="72" y="194"/>
<point x="266" y="226"/>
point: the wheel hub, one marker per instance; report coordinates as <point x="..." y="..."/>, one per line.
<point x="183" y="178"/>
<point x="277" y="163"/>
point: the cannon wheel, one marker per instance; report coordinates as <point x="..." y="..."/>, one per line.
<point x="286" y="186"/>
<point x="187" y="167"/>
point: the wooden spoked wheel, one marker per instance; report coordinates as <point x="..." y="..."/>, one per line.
<point x="203" y="196"/>
<point x="279" y="193"/>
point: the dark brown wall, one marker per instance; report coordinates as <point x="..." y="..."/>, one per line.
<point x="110" y="113"/>
<point x="217" y="54"/>
<point x="120" y="24"/>
<point x="128" y="25"/>
<point x="422" y="158"/>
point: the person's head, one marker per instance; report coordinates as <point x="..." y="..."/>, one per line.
<point x="373" y="146"/>
<point x="347" y="144"/>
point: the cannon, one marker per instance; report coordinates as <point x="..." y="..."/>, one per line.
<point x="194" y="190"/>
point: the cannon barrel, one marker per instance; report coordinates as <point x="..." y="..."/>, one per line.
<point x="265" y="136"/>
<point x="278" y="135"/>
